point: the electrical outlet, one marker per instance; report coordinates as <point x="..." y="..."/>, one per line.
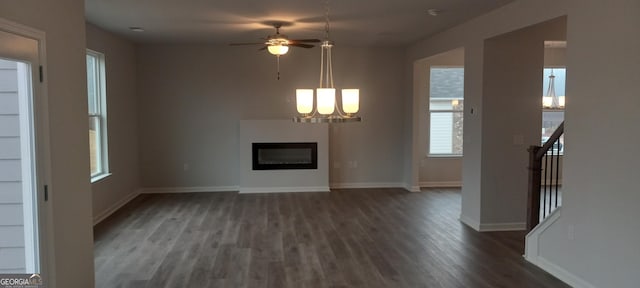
<point x="185" y="167"/>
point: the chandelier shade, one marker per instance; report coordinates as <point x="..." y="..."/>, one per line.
<point x="304" y="101"/>
<point x="350" y="101"/>
<point x="326" y="100"/>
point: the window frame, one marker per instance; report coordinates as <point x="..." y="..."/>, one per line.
<point x="100" y="114"/>
<point x="430" y="112"/>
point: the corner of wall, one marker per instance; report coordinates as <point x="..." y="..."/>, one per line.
<point x="101" y="215"/>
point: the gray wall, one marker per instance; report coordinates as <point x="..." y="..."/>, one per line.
<point x="471" y="35"/>
<point x="596" y="237"/>
<point x="71" y="220"/>
<point x="192" y="98"/>
<point x="122" y="122"/>
<point x="512" y="118"/>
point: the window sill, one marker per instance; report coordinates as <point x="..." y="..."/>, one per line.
<point x="444" y="156"/>
<point x="99" y="177"/>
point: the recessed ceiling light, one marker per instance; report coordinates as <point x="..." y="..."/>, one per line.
<point x="434" y="12"/>
<point x="136" y="29"/>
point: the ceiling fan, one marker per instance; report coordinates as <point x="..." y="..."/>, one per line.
<point x="278" y="44"/>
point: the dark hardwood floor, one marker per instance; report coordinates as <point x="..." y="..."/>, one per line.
<point x="346" y="238"/>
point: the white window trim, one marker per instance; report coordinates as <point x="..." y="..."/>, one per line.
<point x="103" y="160"/>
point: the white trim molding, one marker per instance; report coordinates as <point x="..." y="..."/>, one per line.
<point x="532" y="253"/>
<point x="493" y="227"/>
<point x="441" y="184"/>
<point x="248" y="190"/>
<point x="365" y="185"/>
<point x="159" y="190"/>
<point x="531" y="248"/>
<point x="475" y="225"/>
<point x="115" y="207"/>
<point x="560" y="273"/>
<point x="412" y="189"/>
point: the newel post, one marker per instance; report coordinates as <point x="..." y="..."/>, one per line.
<point x="535" y="176"/>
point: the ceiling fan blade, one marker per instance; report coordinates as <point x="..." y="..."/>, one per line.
<point x="301" y="45"/>
<point x="242" y="44"/>
<point x="263" y="48"/>
<point x="307" y="40"/>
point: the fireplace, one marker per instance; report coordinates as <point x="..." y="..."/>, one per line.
<point x="282" y="156"/>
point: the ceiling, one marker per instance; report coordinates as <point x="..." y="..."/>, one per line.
<point x="353" y="22"/>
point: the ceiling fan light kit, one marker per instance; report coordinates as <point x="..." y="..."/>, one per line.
<point x="278" y="49"/>
<point x="327" y="109"/>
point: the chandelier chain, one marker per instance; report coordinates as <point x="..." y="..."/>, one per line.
<point x="321" y="65"/>
<point x="326" y="17"/>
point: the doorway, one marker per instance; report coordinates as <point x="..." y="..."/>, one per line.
<point x="440" y="125"/>
<point x="23" y="157"/>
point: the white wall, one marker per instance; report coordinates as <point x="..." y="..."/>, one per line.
<point x="434" y="171"/>
<point x="63" y="23"/>
<point x="192" y="98"/>
<point x="596" y="237"/>
<point x="122" y="117"/>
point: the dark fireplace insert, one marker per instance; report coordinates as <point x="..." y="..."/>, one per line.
<point x="281" y="156"/>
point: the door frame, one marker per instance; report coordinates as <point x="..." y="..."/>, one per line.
<point x="42" y="149"/>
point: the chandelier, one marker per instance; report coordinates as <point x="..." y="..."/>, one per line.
<point x="552" y="101"/>
<point x="327" y="109"/>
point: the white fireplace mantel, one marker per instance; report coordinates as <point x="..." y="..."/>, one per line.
<point x="273" y="181"/>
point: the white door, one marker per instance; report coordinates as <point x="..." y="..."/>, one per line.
<point x="23" y="156"/>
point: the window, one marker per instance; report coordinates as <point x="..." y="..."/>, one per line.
<point x="552" y="117"/>
<point x="446" y="99"/>
<point x="97" y="115"/>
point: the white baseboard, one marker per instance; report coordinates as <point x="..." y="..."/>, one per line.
<point x="412" y="188"/>
<point x="492" y="227"/>
<point x="560" y="273"/>
<point x="247" y="190"/>
<point x="475" y="225"/>
<point x="154" y="190"/>
<point x="103" y="215"/>
<point x="364" y="185"/>
<point x="441" y="184"/>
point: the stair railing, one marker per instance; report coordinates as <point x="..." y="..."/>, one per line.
<point x="544" y="194"/>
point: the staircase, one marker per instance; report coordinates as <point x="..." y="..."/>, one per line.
<point x="545" y="194"/>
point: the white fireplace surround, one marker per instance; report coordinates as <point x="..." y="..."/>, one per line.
<point x="274" y="181"/>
